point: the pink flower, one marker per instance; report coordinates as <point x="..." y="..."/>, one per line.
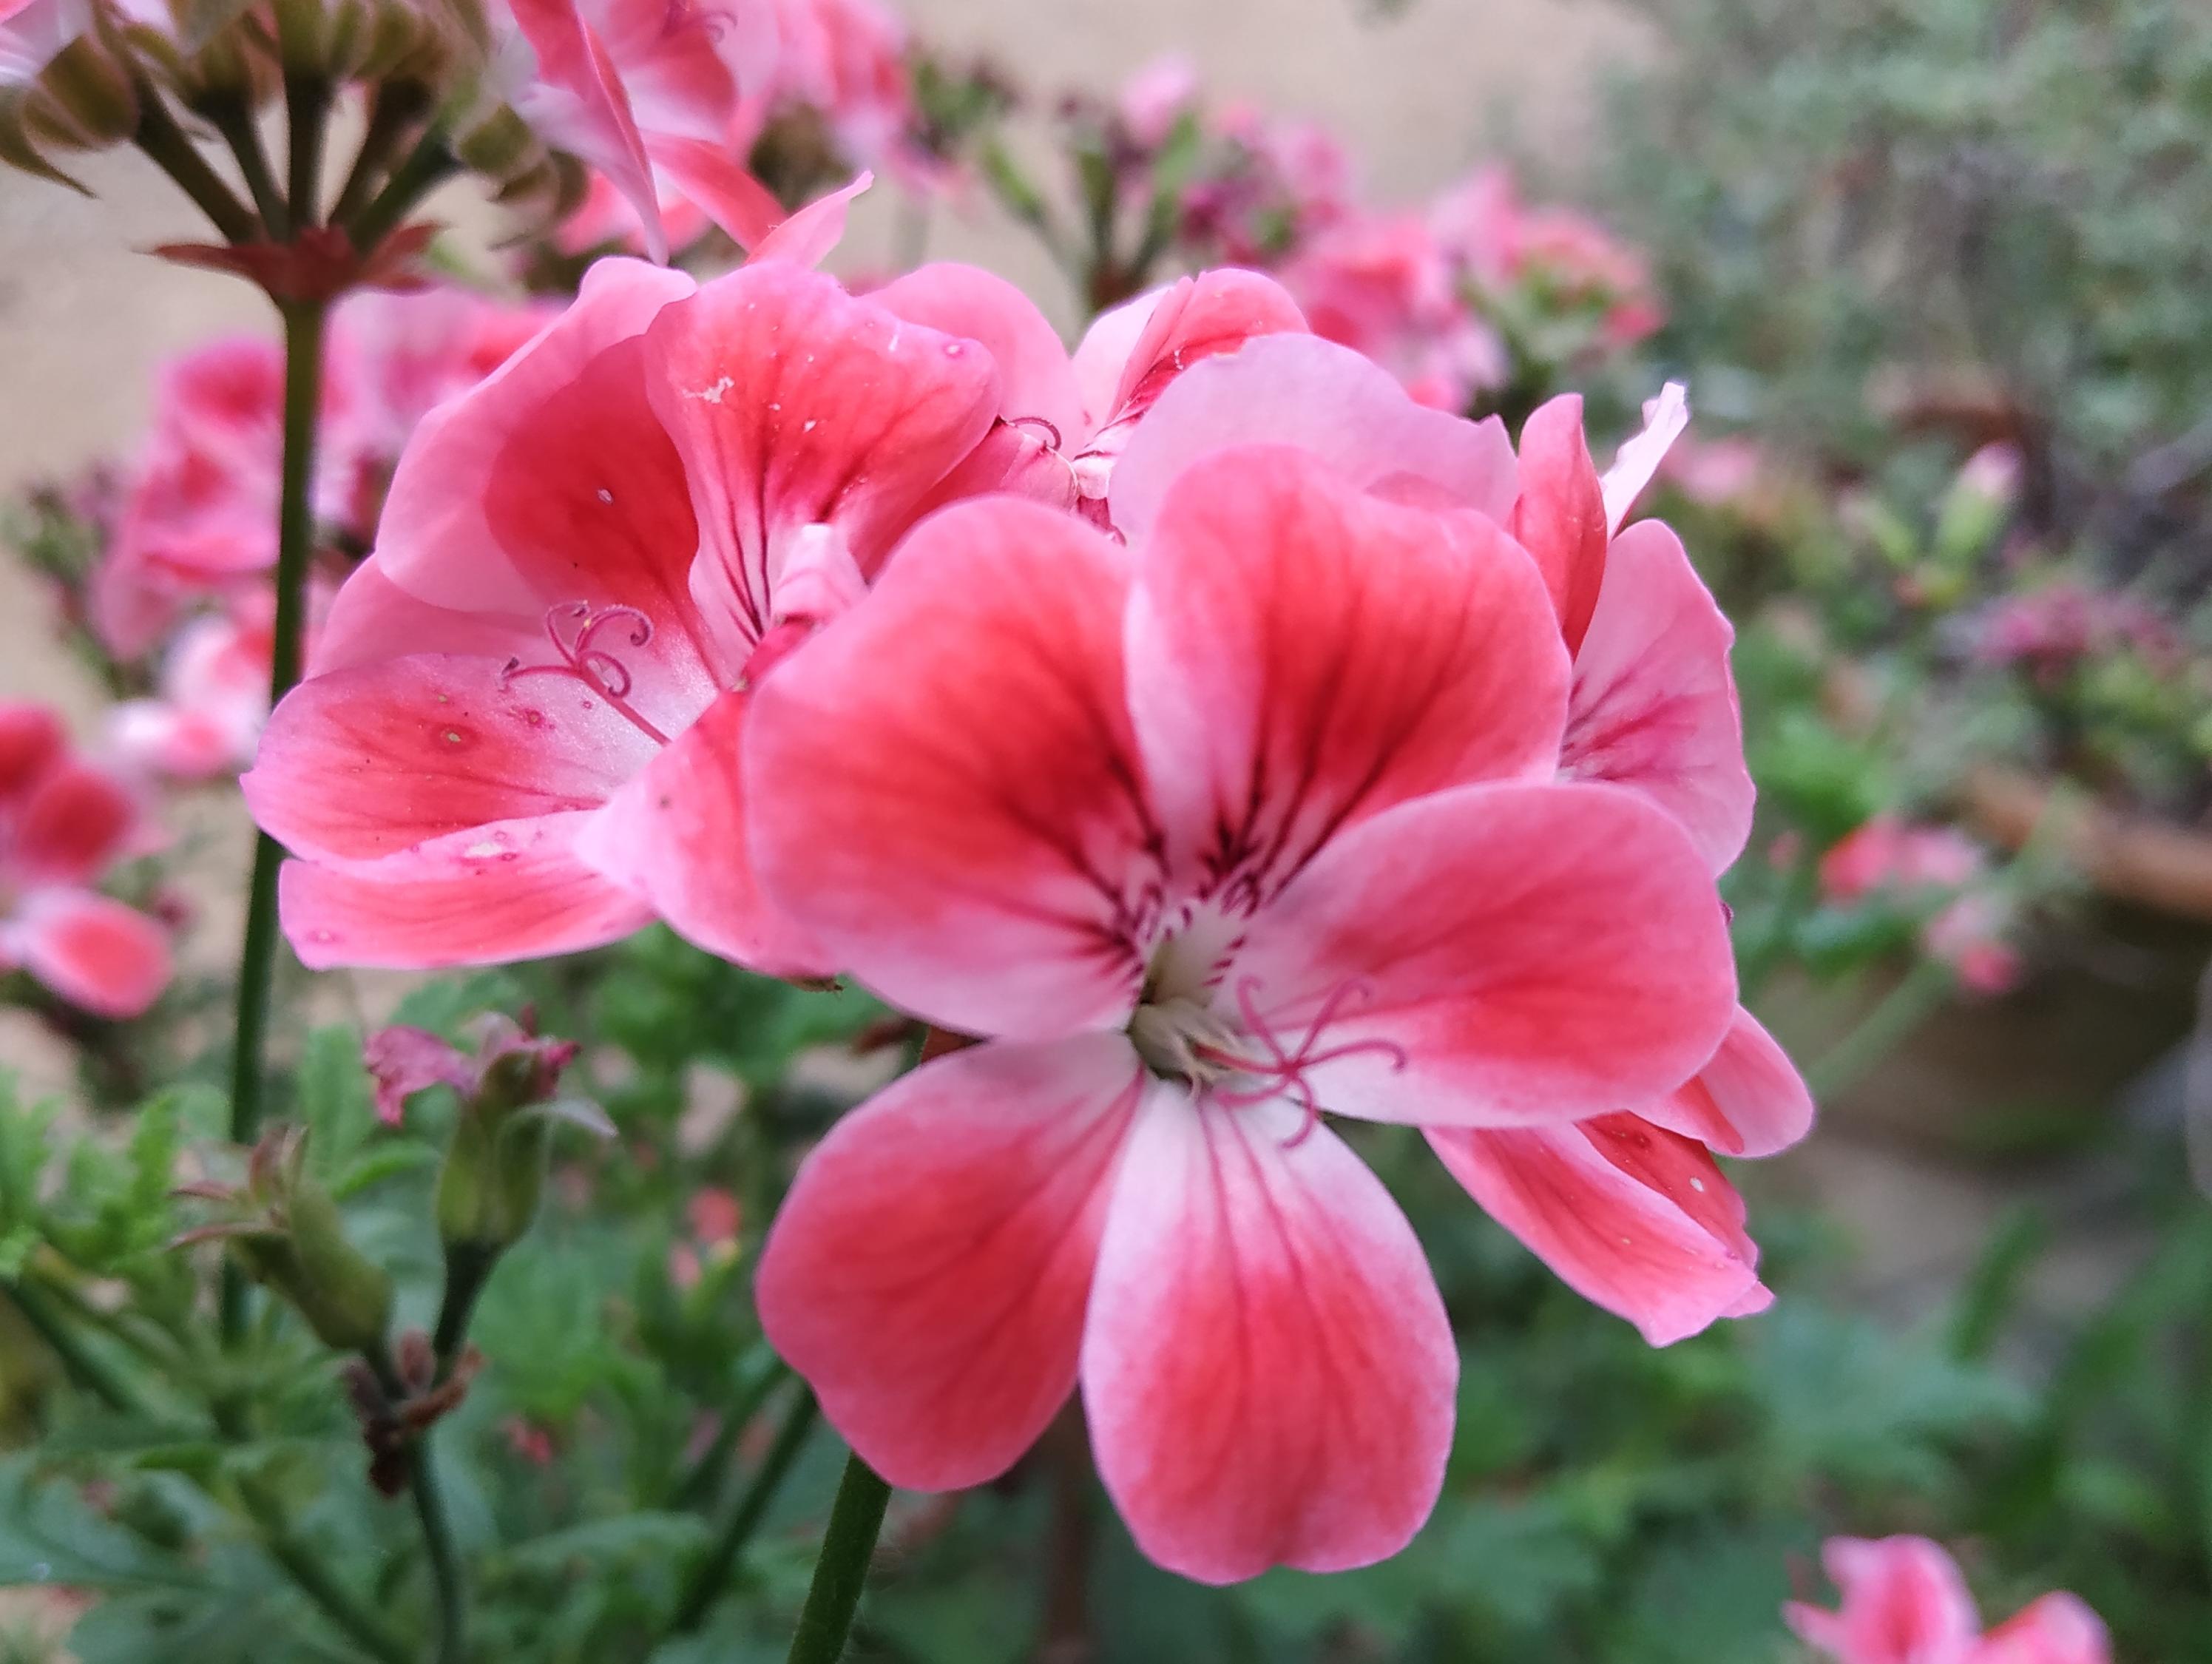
<point x="1251" y="819"/>
<point x="1651" y="708"/>
<point x="845" y="60"/>
<point x="714" y="1215"/>
<point x="1970" y="936"/>
<point x="63" y="824"/>
<point x="1887" y="853"/>
<point x="212" y="700"/>
<point x="521" y="736"/>
<point x="1160" y="94"/>
<point x="1904" y="1603"/>
<point x="508" y="1059"/>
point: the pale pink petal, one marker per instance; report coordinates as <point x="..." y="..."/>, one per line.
<point x="1514" y="954"/>
<point x="1301" y="391"/>
<point x="402" y="1062"/>
<point x="507" y="891"/>
<point x="791" y="404"/>
<point x="1640" y="455"/>
<point x="1632" y="1218"/>
<point x="928" y="1272"/>
<point x="943" y="785"/>
<point x="1035" y="381"/>
<point x="74" y="823"/>
<point x="360" y="763"/>
<point x="806" y="238"/>
<point x="1904" y="1603"/>
<point x="1653" y="705"/>
<point x="92" y="951"/>
<point x="1559" y="516"/>
<point x="675" y="837"/>
<point x="1102" y="355"/>
<point x="372" y="620"/>
<point x="711" y="176"/>
<point x="1302" y="655"/>
<point x="2056" y="1629"/>
<point x="1749" y="1099"/>
<point x="1268" y="1369"/>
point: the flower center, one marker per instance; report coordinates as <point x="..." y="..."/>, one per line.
<point x="583" y="659"/>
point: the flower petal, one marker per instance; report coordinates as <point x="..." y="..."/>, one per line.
<point x="1193" y="320"/>
<point x="1324" y="398"/>
<point x="1559" y="516"/>
<point x="709" y="175"/>
<point x="928" y="1272"/>
<point x="1653" y="705"/>
<point x="1501" y="956"/>
<point x="580" y="102"/>
<point x="1268" y="1369"/>
<point x="73" y="824"/>
<point x="1035" y="378"/>
<point x="2056" y="1629"/>
<point x="1303" y="656"/>
<point x="506" y="891"/>
<point x="1641" y="453"/>
<point x="806" y="238"/>
<point x="675" y="837"/>
<point x="1749" y="1099"/>
<point x="1633" y="1218"/>
<point x="1904" y="1603"/>
<point x="792" y="403"/>
<point x="30" y="738"/>
<point x="360" y="763"/>
<point x="943" y="785"/>
<point x="92" y="951"/>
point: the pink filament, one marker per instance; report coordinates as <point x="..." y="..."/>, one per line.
<point x="1284" y="1071"/>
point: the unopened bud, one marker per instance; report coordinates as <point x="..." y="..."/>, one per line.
<point x="88" y="94"/>
<point x="502" y="147"/>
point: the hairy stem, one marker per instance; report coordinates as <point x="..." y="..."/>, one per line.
<point x="744" y="1516"/>
<point x="841" y="1569"/>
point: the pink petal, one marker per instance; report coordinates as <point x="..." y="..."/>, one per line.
<point x="943" y="785"/>
<point x="711" y="176"/>
<point x="1197" y="319"/>
<point x="1513" y="955"/>
<point x="1268" y="1369"/>
<point x="806" y="237"/>
<point x="589" y="112"/>
<point x="1749" y="1099"/>
<point x="675" y="838"/>
<point x="1653" y="705"/>
<point x="372" y="621"/>
<point x="496" y="505"/>
<point x="1102" y="355"/>
<point x="506" y="891"/>
<point x="791" y="404"/>
<point x="1632" y="1218"/>
<point x="74" y="823"/>
<point x="1303" y="656"/>
<point x="360" y="763"/>
<point x="928" y="1272"/>
<point x="92" y="951"/>
<point x="1904" y="1603"/>
<point x="1301" y="391"/>
<point x="1559" y="517"/>
<point x="404" y="1061"/>
<point x="2056" y="1629"/>
<point x="30" y="738"/>
<point x="1035" y="378"/>
<point x="1639" y="457"/>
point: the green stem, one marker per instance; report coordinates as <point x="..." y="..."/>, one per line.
<point x="704" y="1479"/>
<point x="295" y="536"/>
<point x="90" y="1371"/>
<point x="468" y="1268"/>
<point x="744" y="1517"/>
<point x="234" y="121"/>
<point x="307" y="106"/>
<point x="444" y="1563"/>
<point x="166" y="145"/>
<point x="399" y="105"/>
<point x="841" y="1569"/>
<point x="426" y="165"/>
<point x="1919" y="996"/>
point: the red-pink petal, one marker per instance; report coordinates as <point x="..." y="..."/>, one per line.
<point x="360" y="763"/>
<point x="675" y="837"/>
<point x="30" y="738"/>
<point x="1749" y="1099"/>
<point x="1302" y="655"/>
<point x="707" y="173"/>
<point x="1268" y="1369"/>
<point x="1632" y="1218"/>
<point x="74" y="823"/>
<point x="943" y="785"/>
<point x="511" y="890"/>
<point x="92" y="951"/>
<point x="585" y="108"/>
<point x="2056" y="1629"/>
<point x="1533" y="954"/>
<point x="792" y="403"/>
<point x="928" y="1272"/>
<point x="1904" y="1603"/>
<point x="1321" y="398"/>
<point x="1653" y="705"/>
<point x="1197" y="319"/>
<point x="1559" y="517"/>
<point x="373" y="619"/>
<point x="808" y="235"/>
<point x="1034" y="379"/>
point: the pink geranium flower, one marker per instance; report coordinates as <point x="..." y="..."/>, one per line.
<point x="64" y="823"/>
<point x="1904" y="1602"/>
<point x="1248" y="822"/>
<point x="213" y="698"/>
<point x="1651" y="708"/>
<point x="521" y="736"/>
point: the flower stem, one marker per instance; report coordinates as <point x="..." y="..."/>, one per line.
<point x="295" y="530"/>
<point x="427" y="164"/>
<point x="1925" y="989"/>
<point x="307" y="107"/>
<point x="841" y="1569"/>
<point x="166" y="145"/>
<point x="399" y="107"/>
<point x="744" y="1517"/>
<point x="445" y="1563"/>
<point x="234" y="121"/>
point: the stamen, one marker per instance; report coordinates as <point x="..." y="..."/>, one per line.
<point x="1050" y="428"/>
<point x="1284" y="1073"/>
<point x="590" y="663"/>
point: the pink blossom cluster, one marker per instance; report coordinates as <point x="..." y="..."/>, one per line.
<point x="1904" y="1602"/>
<point x="64" y="823"/>
<point x="1969" y="925"/>
<point x="1217" y="739"/>
<point x="186" y="570"/>
<point x="2047" y="633"/>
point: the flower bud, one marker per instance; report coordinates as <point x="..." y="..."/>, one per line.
<point x="87" y="93"/>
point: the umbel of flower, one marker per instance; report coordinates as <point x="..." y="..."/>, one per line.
<point x="284" y="1228"/>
